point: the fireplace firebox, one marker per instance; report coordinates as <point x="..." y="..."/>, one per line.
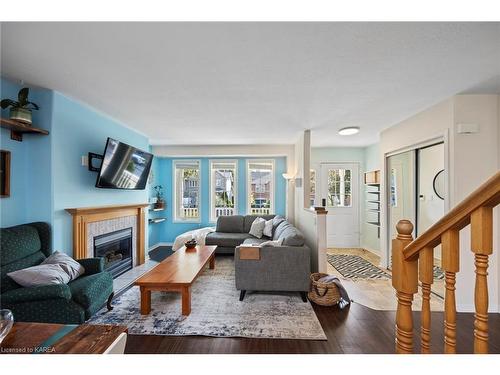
<point x="116" y="249"/>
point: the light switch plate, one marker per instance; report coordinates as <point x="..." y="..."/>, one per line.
<point x="85" y="161"/>
<point x="467" y="128"/>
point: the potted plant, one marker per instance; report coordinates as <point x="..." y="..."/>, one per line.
<point x="20" y="110"/>
<point x="160" y="202"/>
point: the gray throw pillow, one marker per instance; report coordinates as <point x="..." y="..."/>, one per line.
<point x="257" y="228"/>
<point x="278" y="219"/>
<point x="68" y="264"/>
<point x="268" y="228"/>
<point x="43" y="274"/>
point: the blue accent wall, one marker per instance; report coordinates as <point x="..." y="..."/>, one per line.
<point x="168" y="230"/>
<point x="31" y="198"/>
<point x="76" y="130"/>
<point x="47" y="175"/>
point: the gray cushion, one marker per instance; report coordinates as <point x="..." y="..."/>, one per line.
<point x="226" y="239"/>
<point x="257" y="228"/>
<point x="230" y="224"/>
<point x="291" y="236"/>
<point x="277" y="220"/>
<point x="6" y="283"/>
<point x="280" y="228"/>
<point x="250" y="218"/>
<point x="68" y="264"/>
<point x="44" y="274"/>
<point x="254" y="241"/>
<point x="268" y="228"/>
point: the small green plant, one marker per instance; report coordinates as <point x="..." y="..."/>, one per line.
<point x="22" y="101"/>
<point x="160" y="202"/>
<point x="159" y="192"/>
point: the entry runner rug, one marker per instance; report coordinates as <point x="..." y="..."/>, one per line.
<point x="355" y="267"/>
<point x="217" y="311"/>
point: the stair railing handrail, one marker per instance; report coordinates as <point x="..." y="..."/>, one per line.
<point x="413" y="262"/>
<point x="486" y="195"/>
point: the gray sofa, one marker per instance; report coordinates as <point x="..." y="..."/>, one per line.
<point x="282" y="268"/>
<point x="232" y="231"/>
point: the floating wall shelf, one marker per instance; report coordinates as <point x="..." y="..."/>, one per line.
<point x="157" y="220"/>
<point x="17" y="129"/>
<point x="157" y="209"/>
<point x="372" y="183"/>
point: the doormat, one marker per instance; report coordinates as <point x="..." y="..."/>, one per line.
<point x="355" y="267"/>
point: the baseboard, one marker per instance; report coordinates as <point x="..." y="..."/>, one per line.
<point x="160" y="244"/>
<point x="470" y="308"/>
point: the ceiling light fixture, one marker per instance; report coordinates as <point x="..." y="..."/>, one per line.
<point x="350" y="130"/>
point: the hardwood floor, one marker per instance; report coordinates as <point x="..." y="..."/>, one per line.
<point x="356" y="329"/>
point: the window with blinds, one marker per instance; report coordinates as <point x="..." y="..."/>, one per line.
<point x="223" y="188"/>
<point x="187" y="192"/>
<point x="260" y="187"/>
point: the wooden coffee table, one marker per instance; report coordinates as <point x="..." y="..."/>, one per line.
<point x="176" y="274"/>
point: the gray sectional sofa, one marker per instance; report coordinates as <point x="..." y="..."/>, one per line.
<point x="283" y="268"/>
<point x="232" y="231"/>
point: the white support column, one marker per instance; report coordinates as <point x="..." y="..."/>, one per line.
<point x="321" y="239"/>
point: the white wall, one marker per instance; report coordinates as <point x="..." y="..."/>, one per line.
<point x="471" y="159"/>
<point x="476" y="159"/>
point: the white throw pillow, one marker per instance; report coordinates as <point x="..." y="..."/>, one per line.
<point x="257" y="227"/>
<point x="275" y="243"/>
<point x="43" y="274"/>
<point x="268" y="228"/>
<point x="68" y="264"/>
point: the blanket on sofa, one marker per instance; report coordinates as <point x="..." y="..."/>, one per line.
<point x="198" y="234"/>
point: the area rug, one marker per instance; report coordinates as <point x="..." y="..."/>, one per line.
<point x="216" y="311"/>
<point x="355" y="267"/>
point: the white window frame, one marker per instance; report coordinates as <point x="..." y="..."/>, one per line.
<point x="249" y="185"/>
<point x="213" y="217"/>
<point x="176" y="218"/>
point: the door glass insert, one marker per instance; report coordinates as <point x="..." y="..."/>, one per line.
<point x="339" y="188"/>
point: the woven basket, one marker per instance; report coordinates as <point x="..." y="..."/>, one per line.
<point x="321" y="293"/>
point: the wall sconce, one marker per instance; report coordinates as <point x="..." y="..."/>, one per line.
<point x="288" y="176"/>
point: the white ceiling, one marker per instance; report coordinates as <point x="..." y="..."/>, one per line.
<point x="255" y="83"/>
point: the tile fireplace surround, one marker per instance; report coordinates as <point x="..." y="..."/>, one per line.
<point x="98" y="228"/>
<point x="89" y="222"/>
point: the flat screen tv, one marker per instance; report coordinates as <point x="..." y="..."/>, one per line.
<point x="124" y="167"/>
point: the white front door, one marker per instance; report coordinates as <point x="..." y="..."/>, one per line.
<point x="340" y="189"/>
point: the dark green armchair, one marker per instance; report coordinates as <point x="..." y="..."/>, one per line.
<point x="28" y="245"/>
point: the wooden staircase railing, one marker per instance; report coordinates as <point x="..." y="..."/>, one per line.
<point x="412" y="261"/>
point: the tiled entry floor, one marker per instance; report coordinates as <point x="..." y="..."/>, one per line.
<point x="373" y="293"/>
<point x="124" y="281"/>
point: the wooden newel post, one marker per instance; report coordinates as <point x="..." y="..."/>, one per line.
<point x="482" y="246"/>
<point x="405" y="281"/>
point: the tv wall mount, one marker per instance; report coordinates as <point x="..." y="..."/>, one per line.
<point x="92" y="162"/>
